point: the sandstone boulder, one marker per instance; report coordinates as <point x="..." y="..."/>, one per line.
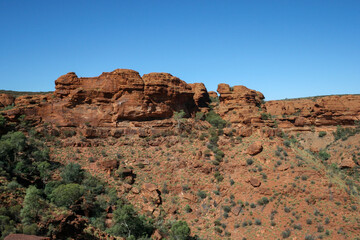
<point x="254" y="182"/>
<point x="6" y="100"/>
<point x="254" y="148"/>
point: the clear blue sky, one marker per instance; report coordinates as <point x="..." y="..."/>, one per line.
<point x="285" y="49"/>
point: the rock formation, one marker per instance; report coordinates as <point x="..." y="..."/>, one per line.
<point x="122" y="102"/>
<point x="112" y="97"/>
<point x="6" y="100"/>
<point x="317" y="111"/>
<point x="239" y="104"/>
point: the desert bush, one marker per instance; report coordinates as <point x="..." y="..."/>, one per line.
<point x="66" y="195"/>
<point x="249" y="161"/>
<point x="128" y="223"/>
<point x="72" y="173"/>
<point x="266" y="116"/>
<point x="322" y="134"/>
<point x="263" y="201"/>
<point x="227" y="209"/>
<point x="215" y="120"/>
<point x="180" y="231"/>
<point x="218" y="176"/>
<point x="201" y="194"/>
<point x="257" y="222"/>
<point x="188" y="208"/>
<point x="286" y="233"/>
<point x="323" y="155"/>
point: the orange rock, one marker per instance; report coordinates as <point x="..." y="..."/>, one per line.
<point x="6" y="100"/>
<point x="347" y="163"/>
<point x="113" y="97"/>
<point x="320" y="111"/>
<point x="254" y="148"/>
<point x="213" y="94"/>
<point x="254" y="182"/>
<point x="201" y="96"/>
<point x="239" y="104"/>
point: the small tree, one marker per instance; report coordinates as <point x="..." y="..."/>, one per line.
<point x="129" y="224"/>
<point x="72" y="173"/>
<point x="179" y="118"/>
<point x="66" y="195"/>
<point x="33" y="205"/>
<point x="180" y="231"/>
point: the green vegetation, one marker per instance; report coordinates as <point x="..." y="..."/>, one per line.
<point x="322" y="134"/>
<point x="215" y="120"/>
<point x="345" y="133"/>
<point x="129" y="224"/>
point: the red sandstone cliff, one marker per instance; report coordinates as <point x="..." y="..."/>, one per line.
<point x="122" y="96"/>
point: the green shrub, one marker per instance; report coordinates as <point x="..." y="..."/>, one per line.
<point x="201" y="194"/>
<point x="286" y="233"/>
<point x="180" y="231"/>
<point x="249" y="161"/>
<point x="218" y="176"/>
<point x="263" y="201"/>
<point x="2" y="121"/>
<point x="66" y="195"/>
<point x="322" y="134"/>
<point x="266" y="116"/>
<point x="128" y="223"/>
<point x="257" y="222"/>
<point x="215" y="120"/>
<point x="72" y="173"/>
<point x="227" y="209"/>
<point x="323" y="155"/>
<point x="287" y="143"/>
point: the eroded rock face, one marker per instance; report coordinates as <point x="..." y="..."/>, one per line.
<point x="319" y="111"/>
<point x="6" y="100"/>
<point x="201" y="95"/>
<point x="239" y="104"/>
<point x="113" y="97"/>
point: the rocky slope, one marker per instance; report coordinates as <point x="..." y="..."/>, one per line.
<point x="317" y="111"/>
<point x="273" y="170"/>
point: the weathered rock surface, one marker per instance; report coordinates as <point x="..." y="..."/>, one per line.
<point x="239" y="104"/>
<point x="122" y="102"/>
<point x="6" y="100"/>
<point x="317" y="111"/>
<point x="254" y="148"/>
<point x="201" y="95"/>
<point x="111" y="99"/>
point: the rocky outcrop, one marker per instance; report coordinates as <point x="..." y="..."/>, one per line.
<point x="317" y="111"/>
<point x="6" y="100"/>
<point x="122" y="102"/>
<point x="239" y="104"/>
<point x="201" y="95"/>
<point x="112" y="97"/>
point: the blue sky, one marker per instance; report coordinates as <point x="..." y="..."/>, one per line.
<point x="285" y="49"/>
